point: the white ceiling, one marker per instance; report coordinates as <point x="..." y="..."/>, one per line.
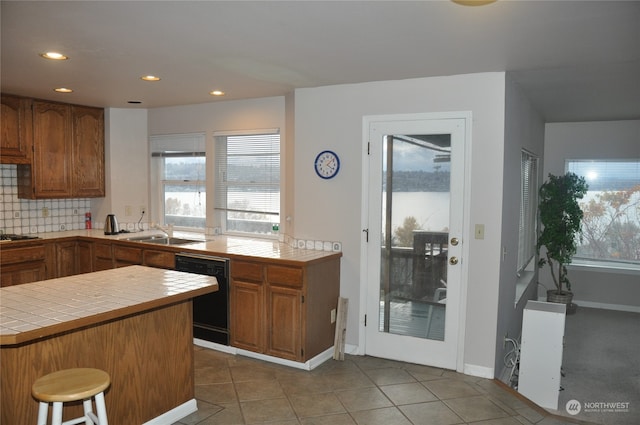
<point x="577" y="60"/>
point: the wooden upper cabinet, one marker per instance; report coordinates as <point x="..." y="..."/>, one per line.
<point x="16" y="131"/>
<point x="88" y="152"/>
<point x="68" y="153"/>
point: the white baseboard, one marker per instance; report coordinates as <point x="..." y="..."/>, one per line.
<point x="308" y="365"/>
<point x="479" y="371"/>
<point x="215" y="346"/>
<point x="604" y="306"/>
<point x="175" y="414"/>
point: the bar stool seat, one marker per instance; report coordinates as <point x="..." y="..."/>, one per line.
<point x="72" y="385"/>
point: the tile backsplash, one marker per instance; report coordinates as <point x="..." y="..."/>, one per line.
<point x="23" y="216"/>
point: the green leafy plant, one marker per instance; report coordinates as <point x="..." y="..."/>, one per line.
<point x="561" y="218"/>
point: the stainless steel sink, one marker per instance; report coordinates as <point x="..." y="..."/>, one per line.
<point x="163" y="240"/>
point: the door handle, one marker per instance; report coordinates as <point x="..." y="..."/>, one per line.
<point x="453" y="261"/>
<point x="454" y="241"/>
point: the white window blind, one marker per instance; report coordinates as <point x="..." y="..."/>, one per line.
<point x="248" y="181"/>
<point x="528" y="209"/>
<point x="178" y="170"/>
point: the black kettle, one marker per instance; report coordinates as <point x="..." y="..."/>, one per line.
<point x="111" y="225"/>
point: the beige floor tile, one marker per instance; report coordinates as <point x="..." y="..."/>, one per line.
<point x="230" y="414"/>
<point x="306" y="405"/>
<point x="473" y="409"/>
<point x="258" y="390"/>
<point x="450" y="388"/>
<point x="389" y="376"/>
<point x="340" y="419"/>
<point x="431" y="413"/>
<point x="410" y="393"/>
<point x="363" y="399"/>
<point x="212" y="375"/>
<point x="348" y="380"/>
<point x="262" y="411"/>
<point x="216" y="393"/>
<point x="384" y="416"/>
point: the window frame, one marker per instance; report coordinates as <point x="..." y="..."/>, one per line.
<point x="174" y="146"/>
<point x="528" y="211"/>
<point x="220" y="201"/>
<point x="625" y="266"/>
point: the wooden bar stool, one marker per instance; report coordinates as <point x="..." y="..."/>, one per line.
<point x="72" y="385"/>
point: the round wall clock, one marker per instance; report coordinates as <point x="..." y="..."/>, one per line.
<point x="327" y="164"/>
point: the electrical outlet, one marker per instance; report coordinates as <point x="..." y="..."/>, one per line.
<point x="127" y="210"/>
<point x="45" y="212"/>
<point x="479" y="231"/>
<point x="143" y="210"/>
<point x="333" y="316"/>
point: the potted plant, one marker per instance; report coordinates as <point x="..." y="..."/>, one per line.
<point x="561" y="219"/>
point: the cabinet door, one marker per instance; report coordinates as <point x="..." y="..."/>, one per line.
<point x="66" y="258"/>
<point x="247" y="315"/>
<point x="284" y="313"/>
<point x="88" y="152"/>
<point x="15" y="136"/>
<point x="160" y="259"/>
<point x="126" y="256"/>
<point x="27" y="272"/>
<point x="84" y="257"/>
<point x="102" y="256"/>
<point x="51" y="168"/>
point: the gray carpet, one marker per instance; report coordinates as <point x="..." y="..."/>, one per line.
<point x="601" y="362"/>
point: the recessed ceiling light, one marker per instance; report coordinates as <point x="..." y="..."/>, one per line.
<point x="63" y="90"/>
<point x="150" y="78"/>
<point x="216" y="93"/>
<point x="54" y="55"/>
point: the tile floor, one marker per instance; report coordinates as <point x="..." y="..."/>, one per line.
<point x="360" y="390"/>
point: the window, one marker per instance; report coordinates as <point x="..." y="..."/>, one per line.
<point x="179" y="180"/>
<point x="247" y="181"/>
<point x="611" y="207"/>
<point x="528" y="209"/>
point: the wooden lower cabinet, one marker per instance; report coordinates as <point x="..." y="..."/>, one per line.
<point x="102" y="256"/>
<point x="126" y="255"/>
<point x="159" y="259"/>
<point x="284" y="310"/>
<point x="24" y="264"/>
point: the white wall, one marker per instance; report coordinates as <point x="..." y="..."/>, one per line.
<point x="126" y="167"/>
<point x="524" y="129"/>
<point x="594" y="140"/>
<point x="207" y="118"/>
<point x="331" y="118"/>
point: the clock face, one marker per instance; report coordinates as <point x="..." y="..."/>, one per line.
<point x="327" y="164"/>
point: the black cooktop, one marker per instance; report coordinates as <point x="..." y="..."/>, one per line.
<point x="12" y="237"/>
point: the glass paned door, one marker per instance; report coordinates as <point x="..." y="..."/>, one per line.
<point x="415" y="231"/>
<point x="415" y="203"/>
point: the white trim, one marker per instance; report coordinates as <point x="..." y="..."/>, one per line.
<point x="214" y="346"/>
<point x="246" y="132"/>
<point x="175" y="414"/>
<point x="479" y="371"/>
<point x="604" y="306"/>
<point x="308" y="365"/>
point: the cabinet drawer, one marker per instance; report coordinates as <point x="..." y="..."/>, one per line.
<point x="285" y="276"/>
<point x="19" y="255"/>
<point x="125" y="253"/>
<point x="246" y="270"/>
<point x="161" y="259"/>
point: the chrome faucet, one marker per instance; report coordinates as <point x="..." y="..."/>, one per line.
<point x="167" y="230"/>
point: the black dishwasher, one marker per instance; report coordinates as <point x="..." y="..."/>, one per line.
<point x="210" y="311"/>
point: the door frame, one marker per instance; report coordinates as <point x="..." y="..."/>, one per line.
<point x="365" y="273"/>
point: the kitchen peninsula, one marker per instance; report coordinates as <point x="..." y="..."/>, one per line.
<point x="133" y="322"/>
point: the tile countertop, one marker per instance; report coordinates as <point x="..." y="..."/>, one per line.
<point x="214" y="245"/>
<point x="49" y="307"/>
